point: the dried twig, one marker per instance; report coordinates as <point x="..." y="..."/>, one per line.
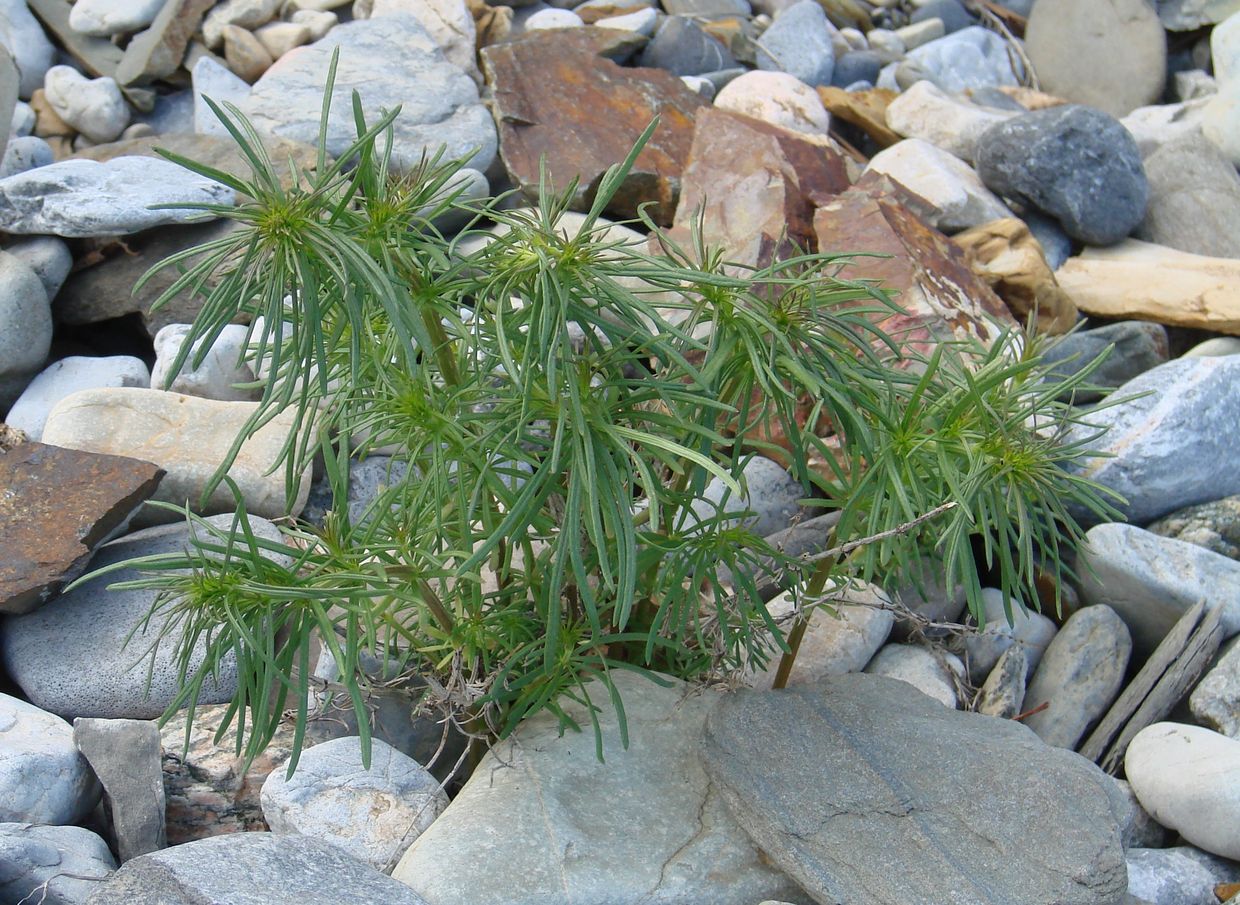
<point x="845" y="549"/>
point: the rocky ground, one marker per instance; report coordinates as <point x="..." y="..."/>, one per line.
<point x="1075" y="157"/>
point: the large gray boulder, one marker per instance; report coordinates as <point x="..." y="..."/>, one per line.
<point x="43" y="778"/>
<point x="439" y="102"/>
<point x="868" y="792"/>
<point x="72" y="659"/>
<point x="83" y="198"/>
<point x="1175" y="445"/>
<point x="544" y="822"/>
<point x="250" y="869"/>
<point x="1151" y="581"/>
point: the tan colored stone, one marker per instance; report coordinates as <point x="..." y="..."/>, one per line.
<point x="1152" y="282"/>
<point x="188" y="437"/>
<point x="1007" y="256"/>
<point x="57" y="507"/>
<point x="940" y="296"/>
<point x="245" y="54"/>
<point x="757" y="186"/>
<point x="278" y="38"/>
<point x="158" y="51"/>
<point x="1031" y="98"/>
<point x="47" y="122"/>
<point x="492" y="23"/>
<point x="1108" y="54"/>
<point x="867" y="110"/>
<point x="582" y="114"/>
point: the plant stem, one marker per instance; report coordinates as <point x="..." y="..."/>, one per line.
<point x="817" y="582"/>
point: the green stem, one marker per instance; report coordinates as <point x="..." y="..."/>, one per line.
<point x="817" y="582"/>
<point x="443" y="347"/>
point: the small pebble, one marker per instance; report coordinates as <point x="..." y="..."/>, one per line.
<point x="94" y="107"/>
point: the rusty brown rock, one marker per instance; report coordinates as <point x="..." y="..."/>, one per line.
<point x="58" y="505"/>
<point x="1007" y="256"/>
<point x="158" y="51"/>
<point x="583" y="114"/>
<point x="756" y="185"/>
<point x="941" y="297"/>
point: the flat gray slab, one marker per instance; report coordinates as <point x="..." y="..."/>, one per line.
<point x="250" y="869"/>
<point x="868" y="792"/>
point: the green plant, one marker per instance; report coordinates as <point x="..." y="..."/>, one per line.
<point x="562" y="399"/>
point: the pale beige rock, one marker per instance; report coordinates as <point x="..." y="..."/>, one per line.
<point x="1153" y="127"/>
<point x="1138" y="280"/>
<point x="244" y="13"/>
<point x="245" y="54"/>
<point x="1188" y="779"/>
<point x="1109" y="54"/>
<point x="1007" y="256"/>
<point x="187" y="437"/>
<point x="278" y="38"/>
<point x="1220" y="121"/>
<point x="925" y="111"/>
<point x="779" y="99"/>
<point x="319" y="21"/>
<point x="956" y="192"/>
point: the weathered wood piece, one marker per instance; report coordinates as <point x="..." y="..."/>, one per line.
<point x="1146" y="678"/>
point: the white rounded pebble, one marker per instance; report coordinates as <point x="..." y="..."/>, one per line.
<point x="103" y="18"/>
<point x="776" y="98"/>
<point x="95" y="107"/>
<point x="68" y="376"/>
<point x="553" y="18"/>
<point x="216" y="377"/>
<point x="1188" y="779"/>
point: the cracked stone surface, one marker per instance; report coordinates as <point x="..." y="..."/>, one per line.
<point x="868" y="792"/>
<point x="543" y="822"/>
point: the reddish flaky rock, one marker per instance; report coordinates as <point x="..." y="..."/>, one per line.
<point x="756" y="185"/>
<point x="57" y="505"/>
<point x="941" y="297"/>
<point x="583" y="113"/>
